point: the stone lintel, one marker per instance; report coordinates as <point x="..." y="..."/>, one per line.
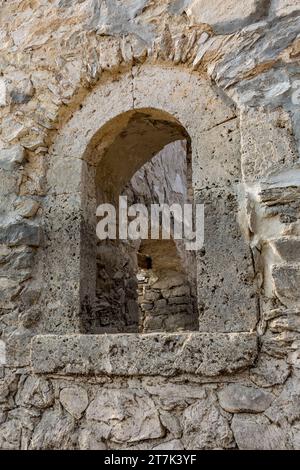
<point x="165" y="354"/>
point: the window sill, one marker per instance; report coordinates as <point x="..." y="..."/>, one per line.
<point x="164" y="354"/>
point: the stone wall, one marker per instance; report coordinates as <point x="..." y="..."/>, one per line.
<point x="220" y="391"/>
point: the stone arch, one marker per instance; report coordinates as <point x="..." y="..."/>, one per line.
<point x="204" y="112"/>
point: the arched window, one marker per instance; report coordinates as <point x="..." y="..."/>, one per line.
<point x="119" y="127"/>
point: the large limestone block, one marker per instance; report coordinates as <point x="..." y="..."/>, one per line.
<point x="226" y="286"/>
<point x="217" y="158"/>
<point x="65" y="175"/>
<point x="63" y="223"/>
<point x="237" y="398"/>
<point x="267" y="143"/>
<point x="164" y="354"/>
<point x="225" y="16"/>
<point x="197" y="104"/>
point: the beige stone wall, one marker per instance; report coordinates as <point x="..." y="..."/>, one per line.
<point x="231" y="81"/>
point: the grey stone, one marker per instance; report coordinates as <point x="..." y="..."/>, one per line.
<point x="204" y="426"/>
<point x="288" y="248"/>
<point x="168" y="283"/>
<point x="21" y="234"/>
<point x="147" y="306"/>
<point x="269" y="371"/>
<point x="227" y="294"/>
<point x="22" y="92"/>
<point x="261" y="158"/>
<point x="150" y="354"/>
<point x="35" y="391"/>
<point x="171" y="423"/>
<point x="118" y="19"/>
<point x="90" y="439"/>
<point x="53" y="431"/>
<point x="286" y="407"/>
<point x="75" y="400"/>
<point x="10" y="435"/>
<point x="151" y="295"/>
<point x="12" y="157"/>
<point x="219" y="152"/>
<point x="179" y="300"/>
<point x="18" y="342"/>
<point x="287" y="281"/>
<point x="8" y="290"/>
<point x="9" y="185"/>
<point x="257" y="433"/>
<point x="130" y="415"/>
<point x="29" y="318"/>
<point x="276" y="345"/>
<point x="237" y="398"/>
<point x="226" y="16"/>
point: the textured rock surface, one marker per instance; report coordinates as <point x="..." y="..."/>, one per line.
<point x="253" y="434"/>
<point x="226" y="16"/>
<point x="166" y="354"/>
<point x="134" y="416"/>
<point x="269" y="371"/>
<point x="239" y="399"/>
<point x="205" y="427"/>
<point x="11" y="157"/>
<point x="74" y="400"/>
<point x="52" y="432"/>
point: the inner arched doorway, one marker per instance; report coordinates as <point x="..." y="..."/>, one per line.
<point x="151" y="146"/>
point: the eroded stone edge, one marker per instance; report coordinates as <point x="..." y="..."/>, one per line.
<point x="217" y="353"/>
